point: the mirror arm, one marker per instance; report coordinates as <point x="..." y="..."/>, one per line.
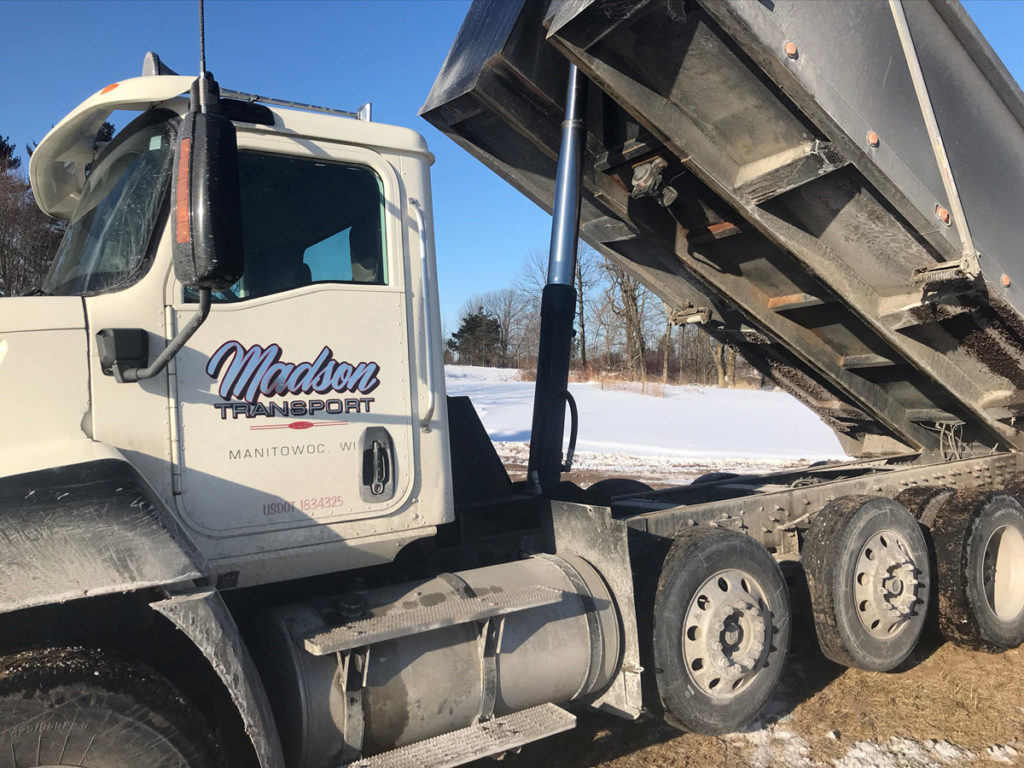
<point x="137" y="374"/>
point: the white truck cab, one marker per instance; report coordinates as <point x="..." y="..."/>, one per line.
<point x="302" y="429"/>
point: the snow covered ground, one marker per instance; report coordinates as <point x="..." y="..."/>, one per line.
<point x="674" y="435"/>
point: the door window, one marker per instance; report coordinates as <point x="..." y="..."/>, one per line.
<point x="307" y="221"/>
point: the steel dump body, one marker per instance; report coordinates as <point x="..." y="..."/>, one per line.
<point x="809" y="197"/>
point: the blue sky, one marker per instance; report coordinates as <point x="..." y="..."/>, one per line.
<point x="55" y="54"/>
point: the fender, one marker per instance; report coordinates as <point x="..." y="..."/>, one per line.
<point x="95" y="528"/>
<point x="86" y="529"/>
<point x="207" y="622"/>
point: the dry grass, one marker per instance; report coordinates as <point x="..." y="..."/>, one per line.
<point x="973" y="700"/>
<point x="616" y="381"/>
<point x="576" y="375"/>
<point x="605" y="380"/>
<point x="969" y="698"/>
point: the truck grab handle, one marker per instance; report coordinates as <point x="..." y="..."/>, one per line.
<point x="427" y="317"/>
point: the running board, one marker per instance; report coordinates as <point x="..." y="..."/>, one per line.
<point x="377" y="629"/>
<point x="481" y="740"/>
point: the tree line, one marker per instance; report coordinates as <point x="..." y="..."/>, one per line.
<point x="28" y="237"/>
<point x="622" y="329"/>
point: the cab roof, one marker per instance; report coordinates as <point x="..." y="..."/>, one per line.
<point x="58" y="165"/>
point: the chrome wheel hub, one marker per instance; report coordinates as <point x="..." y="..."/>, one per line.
<point x="726" y="633"/>
<point x="1003" y="572"/>
<point x="885" y="584"/>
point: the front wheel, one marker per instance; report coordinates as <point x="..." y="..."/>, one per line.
<point x="90" y="708"/>
<point x="721" y="630"/>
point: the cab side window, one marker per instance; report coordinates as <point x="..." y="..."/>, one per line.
<point x="307" y="221"/>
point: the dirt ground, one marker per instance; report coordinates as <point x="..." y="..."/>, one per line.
<point x="945" y="706"/>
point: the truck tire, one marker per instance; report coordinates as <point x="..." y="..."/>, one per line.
<point x="979" y="548"/>
<point x="713" y="477"/>
<point x="720" y="632"/>
<point x="867" y="568"/>
<point x="89" y="708"/>
<point x="1015" y="486"/>
<point x="604" y="491"/>
<point x="924" y="503"/>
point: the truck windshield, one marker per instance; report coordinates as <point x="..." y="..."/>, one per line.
<point x="106" y="242"/>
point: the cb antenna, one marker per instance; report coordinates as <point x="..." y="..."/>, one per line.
<point x="203" y="84"/>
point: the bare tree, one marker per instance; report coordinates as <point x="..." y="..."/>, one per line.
<point x="28" y="238"/>
<point x="512" y="310"/>
<point x="628" y="303"/>
<point x="695" y="350"/>
<point x="588" y="262"/>
<point x="666" y="347"/>
<point x="720" y="362"/>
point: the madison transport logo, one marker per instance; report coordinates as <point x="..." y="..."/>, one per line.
<point x="246" y="374"/>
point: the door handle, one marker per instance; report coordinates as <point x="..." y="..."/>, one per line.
<point x="381" y="470"/>
<point x="378" y="465"/>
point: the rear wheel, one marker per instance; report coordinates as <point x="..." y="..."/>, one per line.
<point x="89" y="708"/>
<point x="603" y="492"/>
<point x="979" y="548"/>
<point x="924" y="503"/>
<point x="867" y="568"/>
<point x="714" y="477"/>
<point x="721" y="630"/>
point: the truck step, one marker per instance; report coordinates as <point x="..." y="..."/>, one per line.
<point x="482" y="740"/>
<point x="454" y="611"/>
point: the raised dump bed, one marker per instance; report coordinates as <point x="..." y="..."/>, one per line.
<point x="766" y="168"/>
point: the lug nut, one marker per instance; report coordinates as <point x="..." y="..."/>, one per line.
<point x="790" y="49"/>
<point x="873" y="138"/>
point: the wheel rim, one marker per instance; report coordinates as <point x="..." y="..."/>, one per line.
<point x="885" y="584"/>
<point x="727" y="633"/>
<point x="1003" y="572"/>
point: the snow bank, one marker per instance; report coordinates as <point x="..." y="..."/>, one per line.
<point x="687" y="423"/>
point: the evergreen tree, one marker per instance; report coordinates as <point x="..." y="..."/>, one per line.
<point x="105" y="133"/>
<point x="478" y="340"/>
<point x="8" y="162"/>
<point x="28" y="238"/>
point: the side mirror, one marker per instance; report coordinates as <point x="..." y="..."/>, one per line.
<point x="208" y="252"/>
<point x="207" y="204"/>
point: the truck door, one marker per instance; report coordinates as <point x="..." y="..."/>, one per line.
<point x="294" y="396"/>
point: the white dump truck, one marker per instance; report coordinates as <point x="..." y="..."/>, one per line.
<point x="242" y="525"/>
